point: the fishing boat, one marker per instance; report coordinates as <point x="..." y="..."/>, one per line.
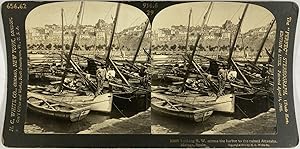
<point x="47" y="106"/>
<point x="180" y="110"/>
<point x="101" y="103"/>
<point x="225" y="103"/>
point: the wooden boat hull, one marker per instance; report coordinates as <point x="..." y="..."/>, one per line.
<point x="39" y="104"/>
<point x="224" y="103"/>
<point x="183" y="111"/>
<point x="102" y="103"/>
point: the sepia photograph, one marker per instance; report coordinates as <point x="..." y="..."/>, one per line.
<point x="140" y="74"/>
<point x="212" y="69"/>
<point x="88" y="68"/>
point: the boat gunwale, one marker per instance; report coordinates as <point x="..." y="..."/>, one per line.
<point x="197" y="108"/>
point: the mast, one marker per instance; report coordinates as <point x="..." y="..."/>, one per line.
<point x="112" y="34"/>
<point x="188" y="32"/>
<point x="236" y="34"/>
<point x="95" y="41"/>
<point x="244" y="49"/>
<point x="263" y="42"/>
<point x="218" y="44"/>
<point x="205" y="19"/>
<point x="190" y="62"/>
<point x="230" y="38"/>
<point x="150" y="48"/>
<point x="141" y="41"/>
<point x="62" y="35"/>
<point x="72" y="47"/>
<point x="271" y="55"/>
<point x="191" y="57"/>
<point x="62" y="29"/>
<point x="105" y="38"/>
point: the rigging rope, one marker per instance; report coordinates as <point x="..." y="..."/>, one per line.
<point x="65" y="18"/>
<point x="135" y="21"/>
<point x="242" y="111"/>
<point x="262" y="20"/>
<point x="203" y="12"/>
<point x="209" y="13"/>
<point x="243" y="46"/>
<point x="75" y="13"/>
<point x="119" y="109"/>
<point x="236" y="12"/>
<point x="118" y="41"/>
<point x="109" y="10"/>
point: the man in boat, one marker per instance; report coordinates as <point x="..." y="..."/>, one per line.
<point x="91" y="67"/>
<point x="232" y="75"/>
<point x="110" y="73"/>
<point x="213" y="67"/>
<point x="144" y="78"/>
<point x="226" y="74"/>
<point x="222" y="77"/>
<point x="110" y="76"/>
<point x="100" y="77"/>
<point x="265" y="77"/>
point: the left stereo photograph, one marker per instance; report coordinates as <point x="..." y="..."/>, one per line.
<point x="88" y="63"/>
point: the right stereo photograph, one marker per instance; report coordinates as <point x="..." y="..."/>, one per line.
<point x="212" y="69"/>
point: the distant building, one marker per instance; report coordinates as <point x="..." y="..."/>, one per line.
<point x="226" y="34"/>
<point x="229" y="26"/>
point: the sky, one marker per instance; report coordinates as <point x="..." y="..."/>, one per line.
<point x="129" y="16"/>
<point x="51" y="14"/>
<point x="256" y="16"/>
